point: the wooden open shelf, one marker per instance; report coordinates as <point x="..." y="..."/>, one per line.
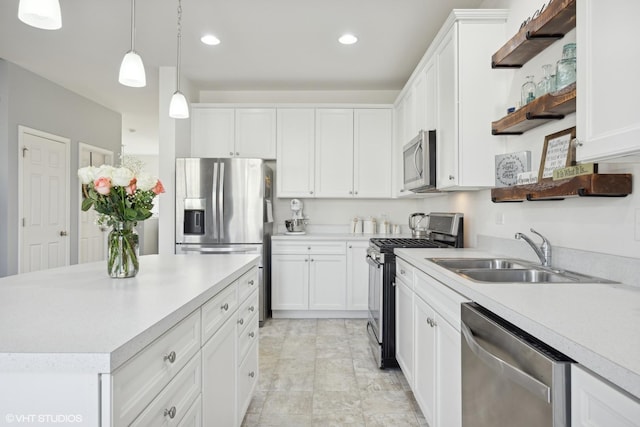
<point x="552" y="106"/>
<point x="554" y="22"/>
<point x="594" y="185"/>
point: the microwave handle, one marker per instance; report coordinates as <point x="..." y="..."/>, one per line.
<point x="415" y="163"/>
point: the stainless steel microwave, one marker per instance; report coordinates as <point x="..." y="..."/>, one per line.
<point x="419" y="163"/>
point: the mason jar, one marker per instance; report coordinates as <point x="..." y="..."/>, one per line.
<point x="566" y="67"/>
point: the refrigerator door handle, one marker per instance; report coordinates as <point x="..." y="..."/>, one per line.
<point x="214" y="201"/>
<point x="221" y="201"/>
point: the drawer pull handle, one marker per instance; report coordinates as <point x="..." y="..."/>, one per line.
<point x="252" y="374"/>
<point x="225" y="307"/>
<point x="252" y="334"/>
<point x="250" y="282"/>
<point x="252" y="308"/>
<point x="170" y="412"/>
<point x="241" y="321"/>
<point x="171" y="357"/>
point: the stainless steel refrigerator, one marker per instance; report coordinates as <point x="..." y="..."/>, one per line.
<point x="223" y="206"/>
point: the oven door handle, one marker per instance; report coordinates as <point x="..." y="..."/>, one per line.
<point x="373" y="262"/>
<point x="509" y="371"/>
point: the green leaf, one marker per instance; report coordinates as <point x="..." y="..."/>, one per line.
<point x="86" y="204"/>
<point x="130" y="214"/>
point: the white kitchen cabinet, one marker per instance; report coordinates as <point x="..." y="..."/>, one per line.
<point x="295" y="152"/>
<point x="357" y="275"/>
<point x="372" y="153"/>
<point x="419" y="91"/>
<point x="425" y="362"/>
<point x="334" y="152"/>
<point x="449" y="374"/>
<point x="289" y="282"/>
<point x="219" y="387"/>
<point x="353" y="153"/>
<point x="327" y="282"/>
<point x="431" y="95"/>
<point x="404" y="329"/>
<point x="469" y="94"/>
<point x="608" y="64"/>
<point x="308" y="276"/>
<point x="596" y="403"/>
<point x="213" y="132"/>
<point x="233" y="132"/>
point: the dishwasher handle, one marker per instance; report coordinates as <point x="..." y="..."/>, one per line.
<point x="539" y="389"/>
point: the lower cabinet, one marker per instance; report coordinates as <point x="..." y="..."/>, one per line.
<point x="313" y="276"/>
<point x="404" y="328"/>
<point x="219" y="361"/>
<point x="596" y="403"/>
<point x="430" y="358"/>
<point x="202" y="372"/>
<point x="357" y="275"/>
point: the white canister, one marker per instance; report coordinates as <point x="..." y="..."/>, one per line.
<point x="369" y="226"/>
<point x="356" y="225"/>
<point x="396" y="229"/>
<point x="384" y="227"/>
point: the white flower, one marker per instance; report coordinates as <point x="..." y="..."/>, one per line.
<point x="87" y="174"/>
<point x="146" y="182"/>
<point x="121" y="177"/>
<point x="104" y="171"/>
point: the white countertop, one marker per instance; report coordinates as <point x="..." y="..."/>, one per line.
<point x="77" y="318"/>
<point x="336" y="236"/>
<point x="597" y="325"/>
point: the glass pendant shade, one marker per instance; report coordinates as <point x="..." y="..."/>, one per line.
<point x="178" y="108"/>
<point x="132" y="70"/>
<point x="44" y="14"/>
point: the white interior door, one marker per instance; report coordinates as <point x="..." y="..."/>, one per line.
<point x="92" y="238"/>
<point x="44" y="199"/>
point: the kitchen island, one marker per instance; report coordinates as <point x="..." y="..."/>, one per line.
<point x="69" y="337"/>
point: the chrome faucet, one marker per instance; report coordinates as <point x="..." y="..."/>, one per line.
<point x="543" y="252"/>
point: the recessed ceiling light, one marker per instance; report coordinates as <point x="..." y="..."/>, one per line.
<point x="348" y="39"/>
<point x="210" y="39"/>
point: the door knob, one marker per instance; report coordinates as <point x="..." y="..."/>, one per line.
<point x="63" y="233"/>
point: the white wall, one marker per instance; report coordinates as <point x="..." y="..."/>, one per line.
<point x="605" y="225"/>
<point x="303" y="96"/>
<point x="29" y="100"/>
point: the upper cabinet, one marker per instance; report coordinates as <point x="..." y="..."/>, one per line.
<point x="296" y="157"/>
<point x="469" y="94"/>
<point x="233" y="132"/>
<point x="608" y="123"/>
<point x="334" y="152"/>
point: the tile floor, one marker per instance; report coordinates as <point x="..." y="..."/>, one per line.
<point x="320" y="372"/>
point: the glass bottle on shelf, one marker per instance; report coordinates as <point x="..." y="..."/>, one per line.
<point x="566" y="67"/>
<point x="528" y="91"/>
<point x="544" y="85"/>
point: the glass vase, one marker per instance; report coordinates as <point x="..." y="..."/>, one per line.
<point x="566" y="67"/>
<point x="544" y="85"/>
<point x="528" y="91"/>
<point x="122" y="257"/>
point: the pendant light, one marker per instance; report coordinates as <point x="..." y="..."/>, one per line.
<point x="179" y="108"/>
<point x="132" y="69"/>
<point x="44" y="14"/>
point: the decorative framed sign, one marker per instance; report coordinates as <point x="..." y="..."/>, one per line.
<point x="558" y="152"/>
<point x="509" y="165"/>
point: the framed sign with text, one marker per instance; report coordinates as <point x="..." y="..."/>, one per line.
<point x="559" y="151"/>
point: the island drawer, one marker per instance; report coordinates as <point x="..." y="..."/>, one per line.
<point x="246" y="310"/>
<point x="247" y="283"/>
<point x="139" y="380"/>
<point x="174" y="402"/>
<point x="247" y="336"/>
<point x="218" y="309"/>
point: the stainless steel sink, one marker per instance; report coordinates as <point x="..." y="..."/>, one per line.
<point x="489" y="263"/>
<point x="516" y="276"/>
<point x="507" y="270"/>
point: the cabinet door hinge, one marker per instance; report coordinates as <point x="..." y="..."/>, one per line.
<point x="24" y="222"/>
<point x="24" y="151"/>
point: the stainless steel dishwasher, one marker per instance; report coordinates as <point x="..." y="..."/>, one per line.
<point x="510" y="378"/>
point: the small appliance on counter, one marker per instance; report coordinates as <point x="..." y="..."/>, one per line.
<point x="297" y="223"/>
<point x="418" y="224"/>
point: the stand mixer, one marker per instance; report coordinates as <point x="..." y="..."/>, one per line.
<point x="297" y="223"/>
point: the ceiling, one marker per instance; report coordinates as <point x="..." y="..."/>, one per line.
<point x="266" y="45"/>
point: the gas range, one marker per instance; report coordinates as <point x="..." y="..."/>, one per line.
<point x="444" y="231"/>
